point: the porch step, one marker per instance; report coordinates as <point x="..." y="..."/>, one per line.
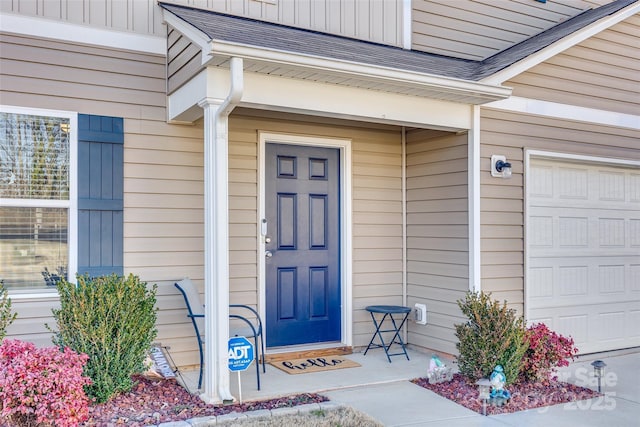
<point x="335" y="351"/>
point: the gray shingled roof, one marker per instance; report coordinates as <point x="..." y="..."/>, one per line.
<point x="267" y="35"/>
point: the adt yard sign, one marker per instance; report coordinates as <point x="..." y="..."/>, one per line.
<point x="240" y="353"/>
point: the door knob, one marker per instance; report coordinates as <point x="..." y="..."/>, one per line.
<point x="268" y="254"/>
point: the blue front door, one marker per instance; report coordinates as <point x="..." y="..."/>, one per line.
<point x="303" y="244"/>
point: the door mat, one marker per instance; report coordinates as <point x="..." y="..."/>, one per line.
<point x="314" y="364"/>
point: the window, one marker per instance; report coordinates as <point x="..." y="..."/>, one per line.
<point x="37" y="197"/>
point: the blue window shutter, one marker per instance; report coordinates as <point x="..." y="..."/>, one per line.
<point x="100" y="194"/>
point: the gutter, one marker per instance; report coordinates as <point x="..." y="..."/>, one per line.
<point x="482" y="92"/>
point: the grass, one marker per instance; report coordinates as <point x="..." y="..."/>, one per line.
<point x="340" y="417"/>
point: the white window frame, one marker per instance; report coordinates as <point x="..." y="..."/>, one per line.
<point x="71" y="204"/>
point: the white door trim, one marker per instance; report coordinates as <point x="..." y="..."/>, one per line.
<point x="346" y="242"/>
<point x="540" y="154"/>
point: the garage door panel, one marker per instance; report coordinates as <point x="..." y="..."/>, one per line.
<point x="594" y="327"/>
<point x="601" y="234"/>
<point x="583" y="252"/>
<point x="634" y="279"/>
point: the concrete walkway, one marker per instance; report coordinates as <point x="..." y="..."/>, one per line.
<point x="383" y="391"/>
<point x="406" y="404"/>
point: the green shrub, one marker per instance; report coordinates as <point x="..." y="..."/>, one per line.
<point x="112" y="320"/>
<point x="6" y="318"/>
<point x="494" y="335"/>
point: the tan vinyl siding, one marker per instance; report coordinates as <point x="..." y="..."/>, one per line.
<point x="162" y="173"/>
<point x="183" y="60"/>
<point x="602" y="72"/>
<point x="502" y="200"/>
<point x="437" y="230"/>
<point x="479" y="29"/>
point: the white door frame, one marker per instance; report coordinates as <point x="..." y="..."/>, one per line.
<point x="346" y="243"/>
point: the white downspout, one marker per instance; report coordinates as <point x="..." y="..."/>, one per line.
<point x="473" y="183"/>
<point x="216" y="237"/>
<point x="404" y="226"/>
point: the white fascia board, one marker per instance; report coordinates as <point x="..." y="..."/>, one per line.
<point x="561" y="45"/>
<point x="566" y="111"/>
<point x="485" y="92"/>
<point x="202" y="40"/>
<point x="74" y="33"/>
<point x="329" y="100"/>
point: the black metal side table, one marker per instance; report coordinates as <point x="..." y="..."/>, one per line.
<point x="388" y="311"/>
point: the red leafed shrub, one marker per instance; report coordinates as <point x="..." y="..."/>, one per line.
<point x="547" y="351"/>
<point x="42" y="386"/>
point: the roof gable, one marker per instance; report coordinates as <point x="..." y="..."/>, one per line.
<point x="280" y="38"/>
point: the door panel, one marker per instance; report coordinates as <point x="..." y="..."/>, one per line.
<point x="303" y="272"/>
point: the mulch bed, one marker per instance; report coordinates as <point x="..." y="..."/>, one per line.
<point x="157" y="401"/>
<point x="523" y="396"/>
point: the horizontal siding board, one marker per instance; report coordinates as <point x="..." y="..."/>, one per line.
<point x="68" y="56"/>
<point x="433" y="281"/>
<point x="438" y="218"/>
<point x="434" y="255"/>
<point x="155" y="243"/>
<point x="450" y="231"/>
<point x="370" y="220"/>
<point x="446" y="205"/>
<point x="437" y="193"/>
<point x="382" y="230"/>
<point x="377" y="278"/>
<point x="432" y="181"/>
<point x="142" y="200"/>
<point x="141" y="170"/>
<point x="58" y="88"/>
<point x="440" y="269"/>
<point x="42" y="71"/>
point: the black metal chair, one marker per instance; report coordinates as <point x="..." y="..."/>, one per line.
<point x="242" y="327"/>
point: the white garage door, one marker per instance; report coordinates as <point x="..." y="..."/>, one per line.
<point x="583" y="252"/>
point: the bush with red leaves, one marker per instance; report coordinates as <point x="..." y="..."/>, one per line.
<point x="42" y="385"/>
<point x="547" y="351"/>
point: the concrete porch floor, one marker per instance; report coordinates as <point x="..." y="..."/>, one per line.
<point x="379" y="389"/>
<point x="375" y="369"/>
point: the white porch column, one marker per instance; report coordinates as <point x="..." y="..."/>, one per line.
<point x="216" y="253"/>
<point x="216" y="236"/>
